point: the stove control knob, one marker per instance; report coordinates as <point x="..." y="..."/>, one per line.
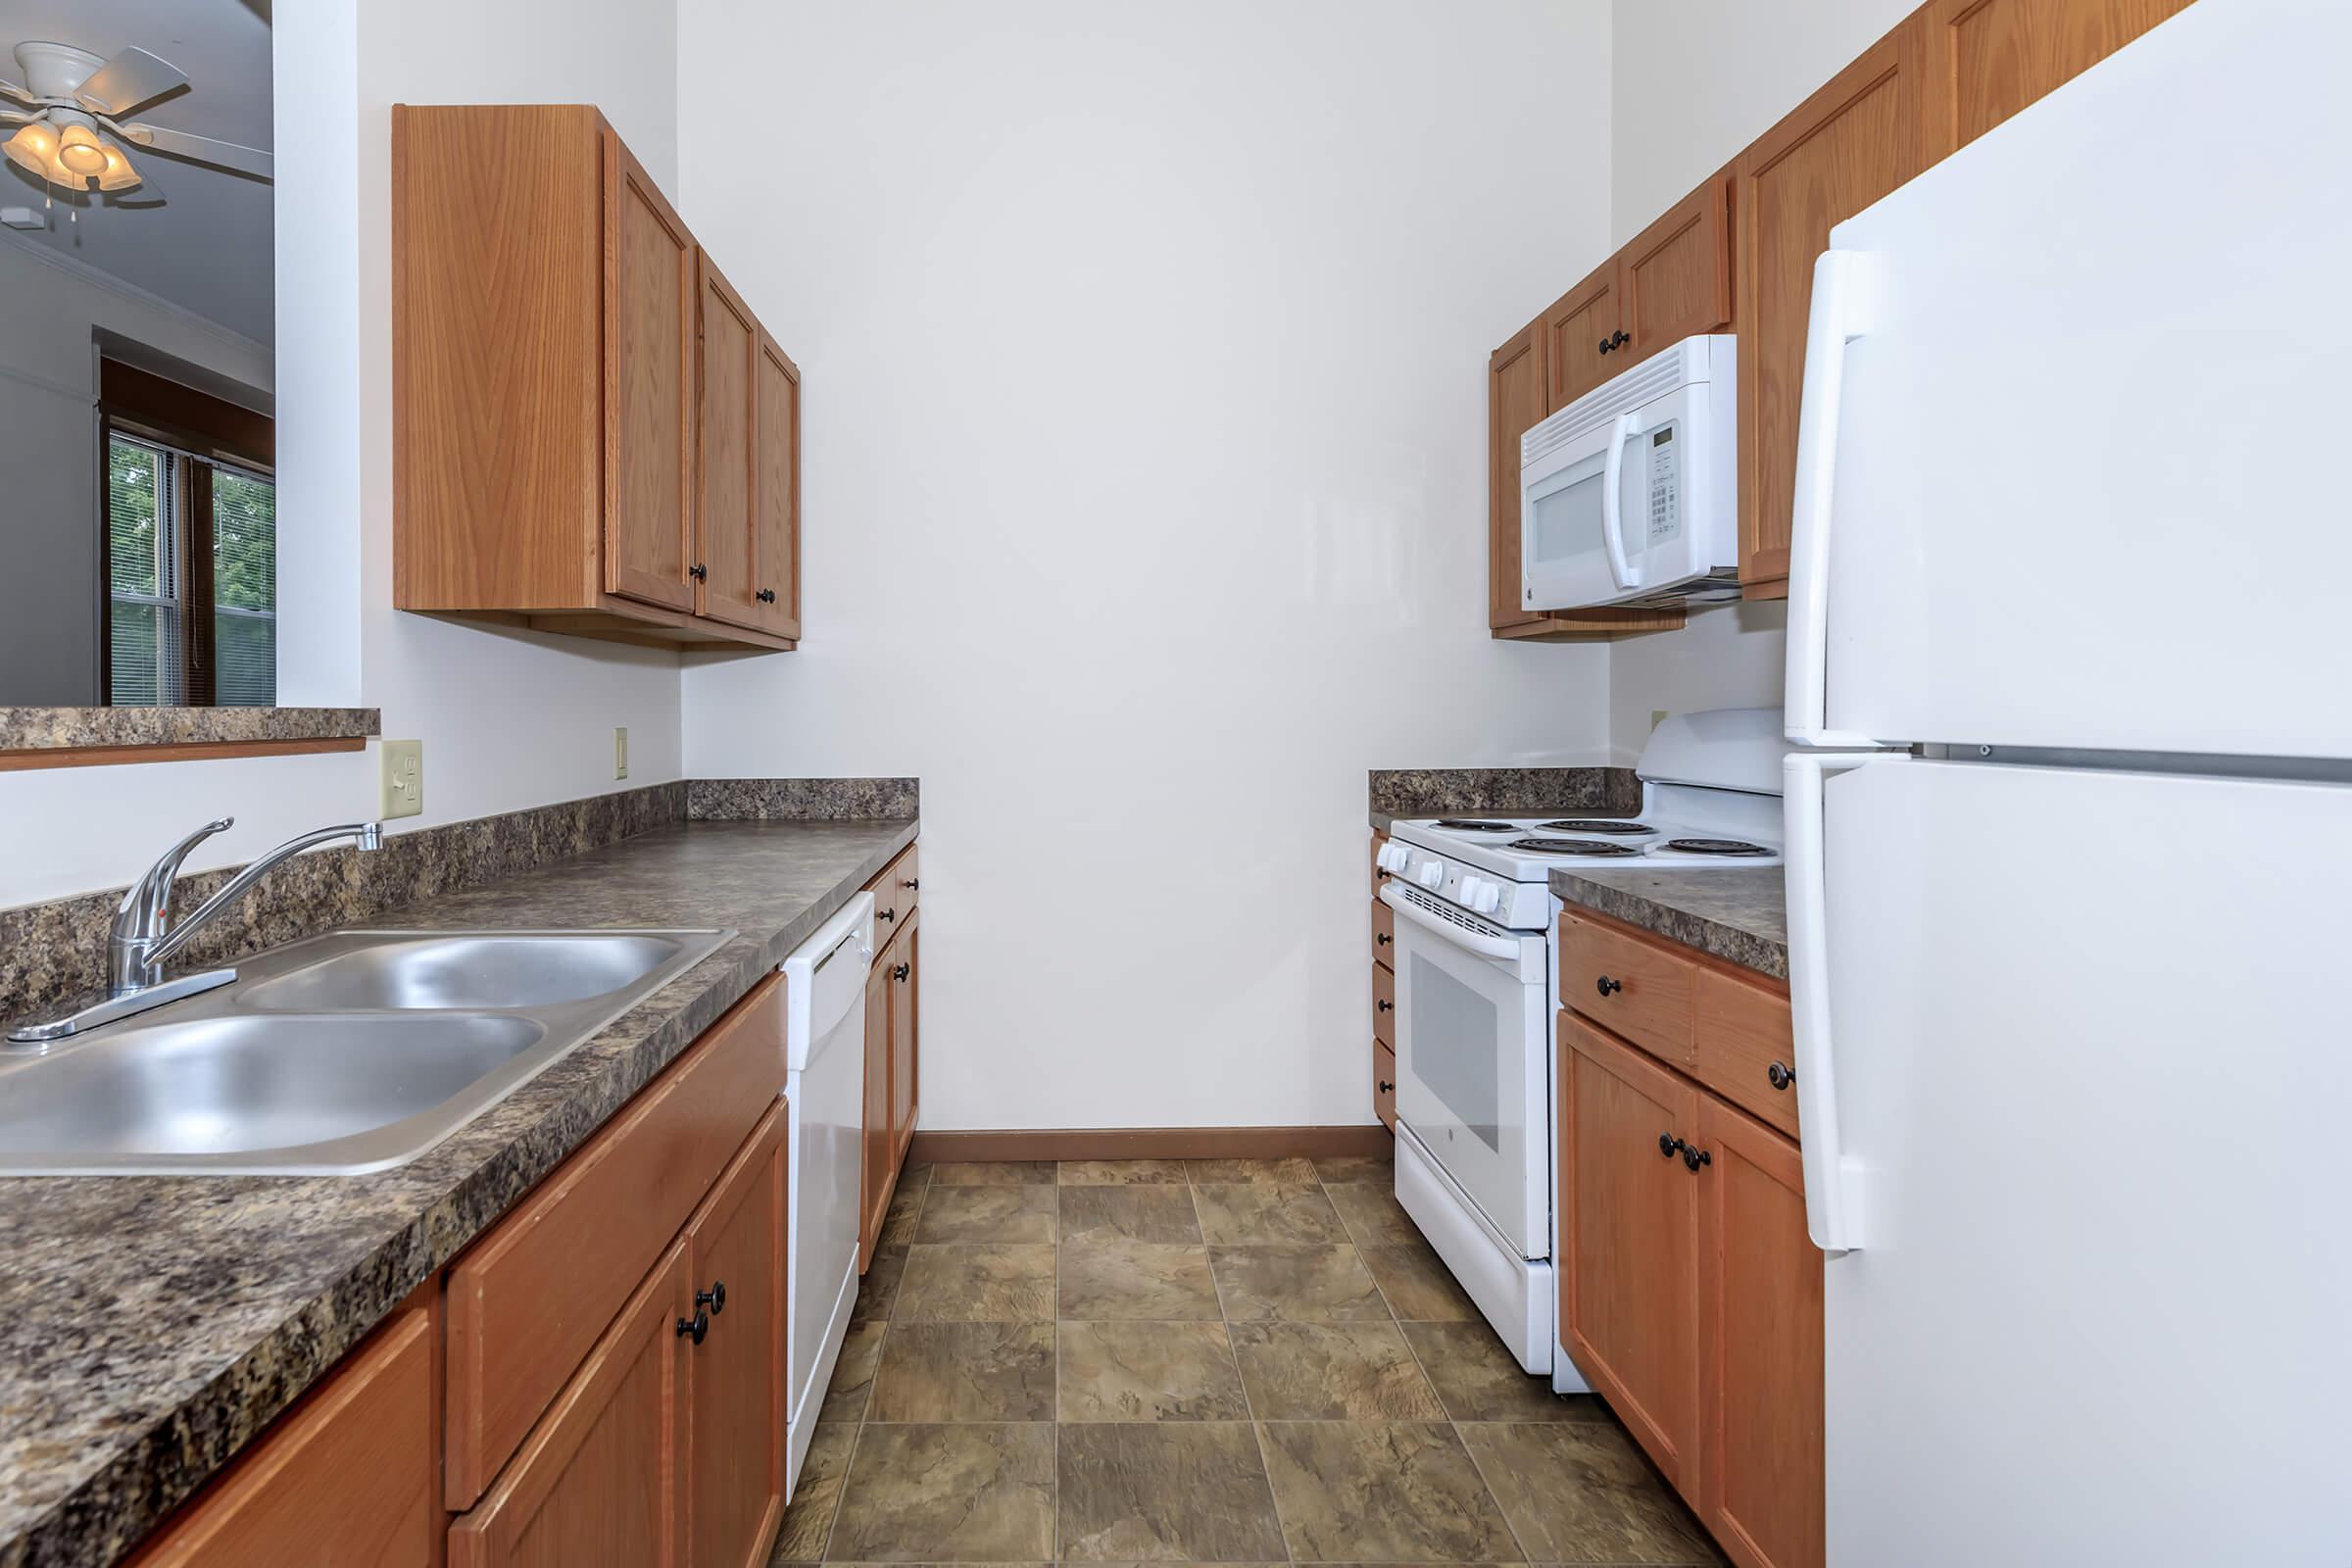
<point x="1393" y="857"/>
<point x="1482" y="897"/>
<point x="1431" y="875"/>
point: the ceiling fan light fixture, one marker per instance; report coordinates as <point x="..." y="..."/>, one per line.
<point x="76" y="159"/>
<point x="79" y="153"/>
<point x="35" y="148"/>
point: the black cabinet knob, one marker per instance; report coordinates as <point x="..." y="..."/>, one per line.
<point x="698" y="571"/>
<point x="1385" y="1005"/>
<point x="902" y="971"/>
<point x="715" y="1297"/>
<point x="1605" y="985"/>
<point x="1618" y="339"/>
<point x="766" y="595"/>
<point x="1382" y="938"/>
<point x="1696" y="1157"/>
<point x="1779" y="1076"/>
<point x="694" y="1327"/>
<point x="1383" y="1086"/>
<point x="913" y="884"/>
<point x="1605" y="345"/>
<point x="1668" y="1144"/>
<point x="886" y="915"/>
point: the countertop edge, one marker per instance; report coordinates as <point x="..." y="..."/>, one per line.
<point x="1722" y="938"/>
<point x="151" y="1474"/>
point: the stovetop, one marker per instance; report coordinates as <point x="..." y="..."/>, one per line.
<point x="1527" y="849"/>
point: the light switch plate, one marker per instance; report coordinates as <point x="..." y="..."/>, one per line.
<point x="621" y="750"/>
<point x="402" y="779"/>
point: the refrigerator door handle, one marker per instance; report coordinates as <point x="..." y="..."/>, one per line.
<point x="1834" y="1178"/>
<point x="1612" y="521"/>
<point x="1844" y="308"/>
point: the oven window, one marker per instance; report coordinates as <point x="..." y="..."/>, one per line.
<point x="1455" y="1049"/>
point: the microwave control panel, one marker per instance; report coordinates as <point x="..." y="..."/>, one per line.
<point x="1665" y="486"/>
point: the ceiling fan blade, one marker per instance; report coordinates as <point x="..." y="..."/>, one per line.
<point x="130" y="79"/>
<point x="9" y="89"/>
<point x="201" y="149"/>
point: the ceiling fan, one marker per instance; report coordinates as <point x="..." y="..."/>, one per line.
<point x="71" y="99"/>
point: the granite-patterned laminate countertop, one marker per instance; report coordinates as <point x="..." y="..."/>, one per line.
<point x="1735" y="913"/>
<point x="151" y="1326"/>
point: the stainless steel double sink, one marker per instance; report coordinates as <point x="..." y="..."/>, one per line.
<point x="349" y="1053"/>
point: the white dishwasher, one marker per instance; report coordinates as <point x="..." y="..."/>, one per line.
<point x="824" y="1043"/>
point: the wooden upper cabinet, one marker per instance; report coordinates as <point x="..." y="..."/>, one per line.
<point x="1674" y="281"/>
<point x="735" y="1486"/>
<point x="547" y="370"/>
<point x="777" y="398"/>
<point x="726" y="532"/>
<point x="1629" y="1240"/>
<point x="1988" y="58"/>
<point x="1516" y="398"/>
<point x="648" y="418"/>
<point x="1842" y="149"/>
<point x="1583" y="340"/>
<point x="1760" y="1317"/>
<point x="598" y="1480"/>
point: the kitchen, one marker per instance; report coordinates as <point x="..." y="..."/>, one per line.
<point x="1113" y="1242"/>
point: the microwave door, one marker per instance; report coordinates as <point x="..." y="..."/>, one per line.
<point x="1564" y="551"/>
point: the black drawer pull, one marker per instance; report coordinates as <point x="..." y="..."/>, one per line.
<point x="1383" y="1086"/>
<point x="1382" y="939"/>
<point x="902" y="971"/>
<point x="1696" y="1157"/>
<point x="1668" y="1144"/>
<point x="1605" y="985"/>
<point x="1779" y="1076"/>
<point x="886" y="915"/>
<point x="1385" y="1005"/>
<point x="715" y="1297"/>
<point x="694" y="1327"/>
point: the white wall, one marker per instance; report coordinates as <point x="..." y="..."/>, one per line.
<point x="508" y="719"/>
<point x="50" y="586"/>
<point x="1691" y="82"/>
<point x="1145" y="355"/>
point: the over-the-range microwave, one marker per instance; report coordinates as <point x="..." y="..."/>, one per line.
<point x="1626" y="495"/>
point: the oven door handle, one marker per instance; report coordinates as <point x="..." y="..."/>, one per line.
<point x="1479" y="942"/>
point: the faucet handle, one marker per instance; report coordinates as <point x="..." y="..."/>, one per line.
<point x="149" y="898"/>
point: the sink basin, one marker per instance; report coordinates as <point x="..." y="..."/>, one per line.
<point x="425" y="973"/>
<point x="349" y="1053"/>
<point x="248" y="1086"/>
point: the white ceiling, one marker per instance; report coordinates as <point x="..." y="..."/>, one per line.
<point x="197" y="237"/>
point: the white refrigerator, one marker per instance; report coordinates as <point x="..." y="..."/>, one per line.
<point x="2072" y="964"/>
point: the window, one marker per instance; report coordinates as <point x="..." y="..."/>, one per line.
<point x="191" y="550"/>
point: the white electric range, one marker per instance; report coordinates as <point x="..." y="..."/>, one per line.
<point x="1477" y="967"/>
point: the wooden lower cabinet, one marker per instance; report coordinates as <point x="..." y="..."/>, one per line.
<point x="893" y="1044"/>
<point x="347" y="1479"/>
<point x="735" y="1486"/>
<point x="597" y="1481"/>
<point x="875" y="1169"/>
<point x="1629" y="1241"/>
<point x="1690" y="1294"/>
<point x="906" y="1007"/>
<point x="1760" y="1332"/>
<point x="1384" y="1085"/>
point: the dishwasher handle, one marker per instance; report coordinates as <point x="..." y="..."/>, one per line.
<point x="824" y="978"/>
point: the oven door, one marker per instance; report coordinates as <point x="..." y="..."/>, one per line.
<point x="1473" y="1058"/>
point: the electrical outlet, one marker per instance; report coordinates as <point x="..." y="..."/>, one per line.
<point x="621" y="750"/>
<point x="402" y="779"/>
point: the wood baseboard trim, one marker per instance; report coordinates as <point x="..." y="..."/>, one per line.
<point x="1153" y="1143"/>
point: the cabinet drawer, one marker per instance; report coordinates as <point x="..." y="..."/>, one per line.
<point x="346" y="1477"/>
<point x="1384" y="1085"/>
<point x="1628" y="983"/>
<point x="1745" y="1047"/>
<point x="527" y="1301"/>
<point x="1384" y="1006"/>
<point x="1384" y="934"/>
<point x="895" y="892"/>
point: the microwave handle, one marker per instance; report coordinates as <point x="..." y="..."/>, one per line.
<point x="1612" y="520"/>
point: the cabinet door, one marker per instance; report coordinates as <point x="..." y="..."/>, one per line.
<point x="1844" y="148"/>
<point x="726" y="538"/>
<point x="649" y="388"/>
<point x="735" y="1490"/>
<point x="906" y="1002"/>
<point x="1675" y="278"/>
<point x="596" y="1479"/>
<point x="346" y="1478"/>
<point x="1987" y="58"/>
<point x="873" y="1199"/>
<point x="1629" y="1240"/>
<point x="1583" y="338"/>
<point x="1515" y="399"/>
<point x="1761" y="1488"/>
<point x="778" y="398"/>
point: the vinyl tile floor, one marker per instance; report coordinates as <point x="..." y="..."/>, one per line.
<point x="1237" y="1361"/>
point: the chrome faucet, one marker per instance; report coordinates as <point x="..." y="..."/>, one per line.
<point x="144" y="936"/>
